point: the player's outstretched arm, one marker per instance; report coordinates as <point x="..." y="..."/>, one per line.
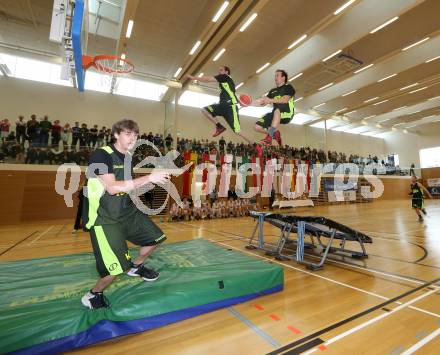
<point x="114" y="187"/>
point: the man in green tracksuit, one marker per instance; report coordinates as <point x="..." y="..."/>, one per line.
<point x="227" y="106"/>
<point x="113" y="218"/>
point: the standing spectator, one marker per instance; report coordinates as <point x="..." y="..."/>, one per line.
<point x="101" y="136"/>
<point x="32" y="129"/>
<point x="20" y="130"/>
<point x="93" y="136"/>
<point x="4" y="128"/>
<point x="76" y="135"/>
<point x="168" y="141"/>
<point x="83" y="136"/>
<point x="45" y="128"/>
<point x="107" y="136"/>
<point x="56" y="134"/>
<point x="411" y="170"/>
<point x="150" y="137"/>
<point x="79" y="211"/>
<point x="65" y="133"/>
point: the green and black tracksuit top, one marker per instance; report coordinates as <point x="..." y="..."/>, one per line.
<point x="104" y="208"/>
<point x="286" y="110"/>
<point x="227" y="89"/>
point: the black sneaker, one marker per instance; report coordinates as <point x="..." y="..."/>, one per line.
<point x="424" y="211"/>
<point x="145" y="273"/>
<point x="94" y="300"/>
<point x="420" y="219"/>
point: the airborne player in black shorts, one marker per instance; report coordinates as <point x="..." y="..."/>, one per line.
<point x="282" y="99"/>
<point x="227" y="107"/>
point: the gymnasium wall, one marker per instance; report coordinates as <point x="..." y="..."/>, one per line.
<point x="29" y="193"/>
<point x="26" y="97"/>
<point x="408" y="145"/>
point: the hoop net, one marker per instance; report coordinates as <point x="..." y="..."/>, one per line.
<point x="109" y="65"/>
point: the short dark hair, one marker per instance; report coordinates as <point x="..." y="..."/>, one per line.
<point x="125" y="125"/>
<point x="283" y="74"/>
<point x="228" y="70"/>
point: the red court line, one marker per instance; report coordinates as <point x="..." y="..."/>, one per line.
<point x="274" y="317"/>
<point x="294" y="330"/>
<point x="322" y="347"/>
<point x="257" y="306"/>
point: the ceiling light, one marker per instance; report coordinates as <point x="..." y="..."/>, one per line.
<point x="364" y="122"/>
<point x="415" y="44"/>
<point x="295" y="77"/>
<point x="342" y="109"/>
<point x="325" y="86"/>
<point x="409" y="86"/>
<point x="129" y="28"/>
<point x="366" y="118"/>
<point x="219" y="54"/>
<point x="298" y="41"/>
<point x="405" y="131"/>
<point x="332" y="55"/>
<point x="399" y="108"/>
<point x="200" y="75"/>
<point x="433" y="98"/>
<point x="384" y="25"/>
<point x="263" y="67"/>
<point x="380" y="102"/>
<point x="177" y="72"/>
<point x="348" y="93"/>
<point x="423" y="88"/>
<point x="194" y="48"/>
<point x="298" y="99"/>
<point x="239" y="85"/>
<point x="372" y="99"/>
<point x="220" y="11"/>
<point x="343" y="7"/>
<point x="248" y="22"/>
<point x="378" y="126"/>
<point x="319" y="105"/>
<point x="432" y="59"/>
<point x="362" y="69"/>
<point x="387" y="77"/>
<point x="351" y="112"/>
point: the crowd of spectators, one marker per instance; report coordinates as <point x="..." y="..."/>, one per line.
<point x="42" y="141"/>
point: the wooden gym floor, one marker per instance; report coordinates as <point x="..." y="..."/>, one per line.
<point x="323" y="305"/>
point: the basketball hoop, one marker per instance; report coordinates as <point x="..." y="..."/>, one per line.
<point x="110" y="66"/>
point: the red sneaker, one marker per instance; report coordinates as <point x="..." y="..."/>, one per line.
<point x="267" y="140"/>
<point x="277" y="137"/>
<point x="219" y="130"/>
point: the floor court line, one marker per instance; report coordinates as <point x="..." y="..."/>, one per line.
<point x="332" y="260"/>
<point x="325" y="278"/>
<point x="261" y="333"/>
<point x="20" y="241"/>
<point x="372" y="321"/>
<point x="422" y="342"/>
<point x="43" y="233"/>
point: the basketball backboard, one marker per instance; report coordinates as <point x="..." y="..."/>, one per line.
<point x="69" y="28"/>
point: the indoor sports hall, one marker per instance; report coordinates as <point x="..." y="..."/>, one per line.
<point x="220" y="177"/>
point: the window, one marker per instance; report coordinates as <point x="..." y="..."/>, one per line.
<point x="196" y="99"/>
<point x="139" y="89"/>
<point x="430" y="157"/>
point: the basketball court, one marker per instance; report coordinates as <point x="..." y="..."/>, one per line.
<point x="331" y="243"/>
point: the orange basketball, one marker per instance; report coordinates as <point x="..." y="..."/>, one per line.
<point x="245" y="100"/>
